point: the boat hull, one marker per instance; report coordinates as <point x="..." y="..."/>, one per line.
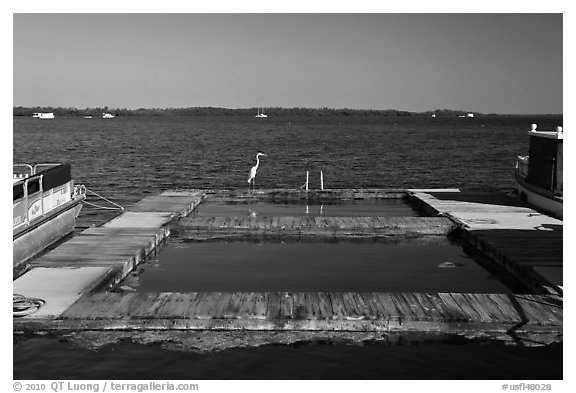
<point x="550" y="205"/>
<point x="36" y="240"/>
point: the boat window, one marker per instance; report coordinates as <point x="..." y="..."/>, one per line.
<point x="18" y="190"/>
<point x="33" y="186"/>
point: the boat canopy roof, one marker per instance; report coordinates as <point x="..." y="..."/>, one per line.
<point x="52" y="177"/>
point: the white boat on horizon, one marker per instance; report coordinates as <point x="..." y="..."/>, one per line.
<point x="539" y="175"/>
<point x="108" y="116"/>
<point x="43" y="115"/>
<point x="261" y="113"/>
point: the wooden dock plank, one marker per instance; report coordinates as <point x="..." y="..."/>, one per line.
<point x="173" y="307"/>
<point x="205" y="305"/>
<point x="377" y="311"/>
<point x="405" y="310"/>
<point x="430" y="310"/>
<point x="477" y="305"/>
<point x="337" y="303"/>
<point x="88" y="307"/>
<point x="458" y="312"/>
<point x="313" y="305"/>
<point x="536" y="309"/>
<point x="503" y="303"/>
<point x="260" y="306"/>
<point x="246" y="305"/>
<point x="363" y="307"/>
<point x="340" y="227"/>
<point x="363" y="311"/>
<point x="325" y="306"/>
<point x="352" y="309"/>
<point x="273" y="301"/>
<point x="467" y="307"/>
<point x="287" y="306"/>
<point x="142" y="304"/>
<point x="448" y="311"/>
<point x="300" y="310"/>
<point x="493" y="311"/>
<point x="221" y="305"/>
<point x="389" y="305"/>
<point x="231" y="309"/>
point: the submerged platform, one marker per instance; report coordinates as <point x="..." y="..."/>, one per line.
<point x="84" y="269"/>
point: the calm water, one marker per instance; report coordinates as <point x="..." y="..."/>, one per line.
<point x="127" y="159"/>
<point x="316" y="267"/>
<point x="432" y="358"/>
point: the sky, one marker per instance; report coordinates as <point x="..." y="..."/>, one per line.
<point x="491" y="63"/>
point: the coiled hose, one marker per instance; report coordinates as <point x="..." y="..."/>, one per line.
<point x="23" y="305"/>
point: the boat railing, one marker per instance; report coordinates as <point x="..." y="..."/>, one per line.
<point x="26" y="203"/>
<point x="44" y="166"/>
<point x="30" y="205"/>
<point x="20" y="171"/>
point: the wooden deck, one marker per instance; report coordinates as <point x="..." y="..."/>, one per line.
<point x="282" y="195"/>
<point x="286" y="311"/>
<point x="204" y="228"/>
<point x="523" y="241"/>
<point x="101" y="257"/>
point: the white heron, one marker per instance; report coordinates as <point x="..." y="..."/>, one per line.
<point x="252" y="175"/>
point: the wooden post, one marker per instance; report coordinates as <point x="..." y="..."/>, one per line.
<point x="321" y="181"/>
<point x="306" y="180"/>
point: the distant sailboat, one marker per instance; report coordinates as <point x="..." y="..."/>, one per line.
<point x="261" y="113"/>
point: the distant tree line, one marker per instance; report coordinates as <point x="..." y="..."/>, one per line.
<point x="215" y="111"/>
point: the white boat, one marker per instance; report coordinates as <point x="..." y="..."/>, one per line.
<point x="45" y="115"/>
<point x="539" y="175"/>
<point x="108" y="116"/>
<point x="45" y="206"/>
<point x="261" y="113"/>
<point x="87" y="117"/>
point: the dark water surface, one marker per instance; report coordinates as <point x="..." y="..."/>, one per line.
<point x="456" y="358"/>
<point x="126" y="159"/>
<point x="316" y="267"/>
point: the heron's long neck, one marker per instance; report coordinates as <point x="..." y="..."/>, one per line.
<point x="257" y="161"/>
